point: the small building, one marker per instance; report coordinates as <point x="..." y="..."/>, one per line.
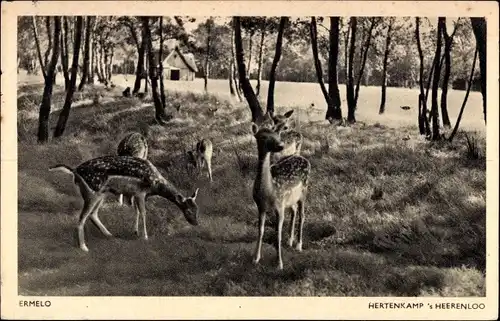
<point x="179" y="66"/>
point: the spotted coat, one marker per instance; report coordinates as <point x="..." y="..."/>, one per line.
<point x="134" y="144"/>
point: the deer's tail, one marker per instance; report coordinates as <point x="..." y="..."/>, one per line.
<point x="63" y="168"/>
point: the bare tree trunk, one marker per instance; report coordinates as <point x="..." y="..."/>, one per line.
<point x="207" y="54"/>
<point x="446" y="77"/>
<point x="479" y="28"/>
<point x="140" y="66"/>
<point x="93" y="68"/>
<point x="250" y="45"/>
<point x="86" y="52"/>
<point x="351" y="102"/>
<point x="160" y="114"/>
<point x="334" y="110"/>
<point x="464" y="103"/>
<point x="43" y="119"/>
<point x="234" y="64"/>
<point x="38" y="50"/>
<point x="64" y="53"/>
<point x="63" y="116"/>
<point x="423" y="123"/>
<point x="49" y="38"/>
<point x="384" y="68"/>
<point x="366" y="47"/>
<point x="317" y="63"/>
<point x="253" y="102"/>
<point x="435" y="85"/>
<point x="346" y="50"/>
<point x="259" y="62"/>
<point x="162" y="85"/>
<point x="274" y="66"/>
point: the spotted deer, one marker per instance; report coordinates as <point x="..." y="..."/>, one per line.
<point x="202" y="155"/>
<point x="278" y="187"/>
<point x="131" y="176"/>
<point x="291" y="138"/>
<point x="136" y="145"/>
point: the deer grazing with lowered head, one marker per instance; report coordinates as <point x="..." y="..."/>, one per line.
<point x="278" y="187"/>
<point x="201" y="156"/>
<point x="131" y="176"/>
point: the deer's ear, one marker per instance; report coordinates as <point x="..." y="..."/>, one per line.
<point x="195" y="194"/>
<point x="255" y="128"/>
<point x="288" y="113"/>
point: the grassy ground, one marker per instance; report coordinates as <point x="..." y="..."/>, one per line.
<point x="424" y="237"/>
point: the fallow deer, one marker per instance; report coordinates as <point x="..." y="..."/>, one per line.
<point x="202" y="155"/>
<point x="136" y="145"/>
<point x="278" y="187"/>
<point x="131" y="176"/>
<point x="290" y="137"/>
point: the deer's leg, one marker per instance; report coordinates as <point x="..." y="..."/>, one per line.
<point x="209" y="166"/>
<point x="292" y="225"/>
<point x="94" y="216"/>
<point x="301" y="223"/>
<point x="258" y="248"/>
<point x="90" y="201"/>
<point x="135" y="205"/>
<point x="280" y="215"/>
<point x="120" y="199"/>
<point x="141" y="203"/>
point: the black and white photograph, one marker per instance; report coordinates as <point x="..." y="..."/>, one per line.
<point x="219" y="155"/>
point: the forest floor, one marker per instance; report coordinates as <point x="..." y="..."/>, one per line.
<point x="425" y="236"/>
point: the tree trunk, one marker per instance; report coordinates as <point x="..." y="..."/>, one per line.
<point x="317" y="63"/>
<point x="140" y="66"/>
<point x="160" y="115"/>
<point x="207" y="55"/>
<point x="274" y="66"/>
<point x="43" y="119"/>
<point x="162" y="85"/>
<point x="250" y="45"/>
<point x="235" y="71"/>
<point x="93" y="69"/>
<point x="479" y="28"/>
<point x="110" y="64"/>
<point x="86" y="53"/>
<point x="446" y="77"/>
<point x="334" y="110"/>
<point x="364" y="56"/>
<point x="346" y="51"/>
<point x="253" y="102"/>
<point x="464" y="103"/>
<point x="259" y="62"/>
<point x="64" y="53"/>
<point x="423" y="123"/>
<point x="49" y="38"/>
<point x="435" y="85"/>
<point x="38" y="50"/>
<point x="351" y="103"/>
<point x="231" y="79"/>
<point x="63" y="116"/>
<point x="384" y="67"/>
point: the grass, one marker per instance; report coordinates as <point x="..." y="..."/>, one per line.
<point x="423" y="235"/>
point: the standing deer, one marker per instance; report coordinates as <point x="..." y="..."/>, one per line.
<point x="291" y="138"/>
<point x="136" y="145"/>
<point x="278" y="187"/>
<point x="202" y="155"/>
<point x="134" y="177"/>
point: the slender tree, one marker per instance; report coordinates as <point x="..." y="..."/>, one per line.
<point x="253" y="102"/>
<point x="317" y="63"/>
<point x="479" y="29"/>
<point x="274" y="66"/>
<point x="43" y="119"/>
<point x="209" y="26"/>
<point x="423" y="123"/>
<point x="435" y="84"/>
<point x="160" y="114"/>
<point x="334" y="110"/>
<point x="464" y="103"/>
<point x="260" y="57"/>
<point x="384" y="66"/>
<point x="64" y="115"/>
<point x="351" y="103"/>
<point x="86" y="52"/>
<point x="162" y="84"/>
<point x="140" y="66"/>
<point x="64" y="53"/>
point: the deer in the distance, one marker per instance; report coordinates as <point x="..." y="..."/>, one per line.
<point x="134" y="177"/>
<point x="201" y="156"/>
<point x="278" y="187"/>
<point x="136" y="145"/>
